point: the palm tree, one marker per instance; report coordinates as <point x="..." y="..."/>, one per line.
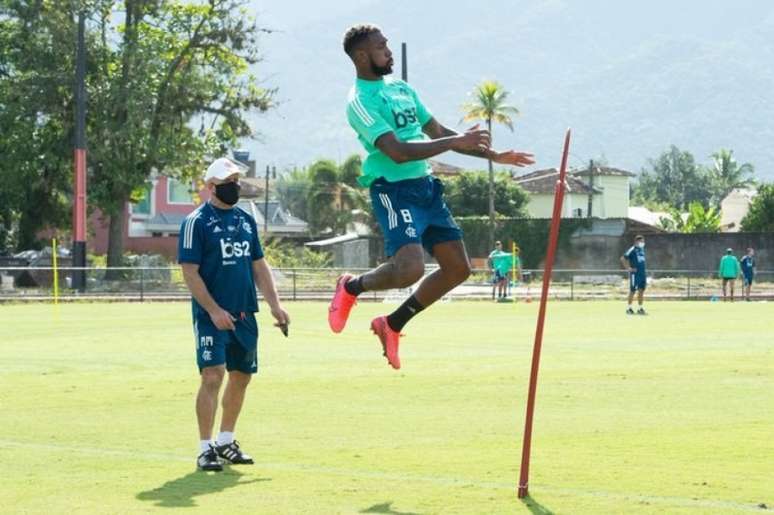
<point x="728" y="175"/>
<point x="488" y="104"/>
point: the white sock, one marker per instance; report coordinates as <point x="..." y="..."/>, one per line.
<point x="630" y="306"/>
<point x="204" y="445"/>
<point x="225" y="437"/>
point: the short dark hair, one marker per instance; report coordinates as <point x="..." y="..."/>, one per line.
<point x="356" y="34"/>
<point x="639" y="237"/>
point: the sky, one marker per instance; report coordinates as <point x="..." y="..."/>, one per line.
<point x="629" y="78"/>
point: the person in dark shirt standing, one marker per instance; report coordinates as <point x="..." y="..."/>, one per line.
<point x="748" y="265"/>
<point x="222" y="263"/>
<point x="633" y="260"/>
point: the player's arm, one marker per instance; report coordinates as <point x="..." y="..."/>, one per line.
<point x="434" y="129"/>
<point x="264" y="280"/>
<point x="625" y="263"/>
<point x="405" y="151"/>
<point x="220" y="317"/>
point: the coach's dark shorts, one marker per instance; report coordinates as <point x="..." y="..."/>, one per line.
<point x="237" y="349"/>
<point x="413" y="211"/>
<point x="637" y="282"/>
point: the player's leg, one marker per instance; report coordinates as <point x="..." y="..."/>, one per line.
<point x="725" y="288"/>
<point x="206" y="406"/>
<point x="731" y="287"/>
<point x="426" y="216"/>
<point x="210" y="358"/>
<point x="454" y="269"/>
<point x="233" y="398"/>
<point x="632" y="291"/>
<point x="207" y="399"/>
<point x="241" y="363"/>
<point x="402" y="241"/>
<point x="405" y="268"/>
<point x="640" y="296"/>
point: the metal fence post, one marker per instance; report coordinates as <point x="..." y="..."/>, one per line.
<point x="689" y="287"/>
<point x="572" y="287"/>
<point x="294" y="284"/>
<point x="142" y="284"/>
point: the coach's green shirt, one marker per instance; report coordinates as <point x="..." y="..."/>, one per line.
<point x="503" y="262"/>
<point x="376" y="107"/>
<point x="729" y="267"/>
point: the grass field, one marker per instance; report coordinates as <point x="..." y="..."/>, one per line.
<point x="670" y="413"/>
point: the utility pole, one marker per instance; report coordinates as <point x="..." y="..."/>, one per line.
<point x="403" y="63"/>
<point x="266" y="200"/>
<point x="591" y="188"/>
<point x="79" y="158"/>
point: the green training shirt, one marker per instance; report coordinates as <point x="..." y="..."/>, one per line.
<point x="376" y="107"/>
<point x="502" y="261"/>
<point x="729" y="267"/>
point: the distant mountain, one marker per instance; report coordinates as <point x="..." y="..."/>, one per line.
<point x="629" y="79"/>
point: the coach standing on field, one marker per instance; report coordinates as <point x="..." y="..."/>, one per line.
<point x="222" y="262"/>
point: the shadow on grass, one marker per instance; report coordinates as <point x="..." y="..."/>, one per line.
<point x="386" y="507"/>
<point x="180" y="492"/>
<point x="535" y="507"/>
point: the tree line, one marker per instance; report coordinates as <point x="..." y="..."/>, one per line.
<point x="167" y="83"/>
<point x="691" y="192"/>
<point x="328" y="197"/>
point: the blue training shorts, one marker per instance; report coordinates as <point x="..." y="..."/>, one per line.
<point x="747" y="280"/>
<point x="237" y="349"/>
<point x="413" y="211"/>
<point x="637" y="282"/>
<point x="497" y="277"/>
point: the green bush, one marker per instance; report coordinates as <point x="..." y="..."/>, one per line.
<point x="282" y="254"/>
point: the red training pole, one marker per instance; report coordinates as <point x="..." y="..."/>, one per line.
<point x="553" y="237"/>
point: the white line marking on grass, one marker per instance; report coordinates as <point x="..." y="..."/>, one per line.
<point x="399" y="477"/>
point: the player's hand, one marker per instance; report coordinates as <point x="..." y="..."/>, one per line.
<point x="511" y="157"/>
<point x="222" y="319"/>
<point x="281" y="317"/>
<point x="473" y="140"/>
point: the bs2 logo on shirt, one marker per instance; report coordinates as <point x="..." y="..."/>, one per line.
<point x="405" y="117"/>
<point x="236" y="249"/>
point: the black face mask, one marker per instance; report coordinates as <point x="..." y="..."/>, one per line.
<point x="228" y="192"/>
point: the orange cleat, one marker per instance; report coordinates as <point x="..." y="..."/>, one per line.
<point x="341" y="305"/>
<point x="390" y="340"/>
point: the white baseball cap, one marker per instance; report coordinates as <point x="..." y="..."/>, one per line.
<point x="223" y="168"/>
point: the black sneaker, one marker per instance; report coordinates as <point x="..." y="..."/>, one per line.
<point x="231" y="453"/>
<point x="629" y="311"/>
<point x="641" y="311"/>
<point x="208" y="460"/>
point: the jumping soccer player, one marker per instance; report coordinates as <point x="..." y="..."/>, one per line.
<point x="748" y="272"/>
<point x="222" y="262"/>
<point x="728" y="272"/>
<point x="399" y="134"/>
<point x="633" y="260"/>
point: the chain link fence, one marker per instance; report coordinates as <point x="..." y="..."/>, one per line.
<point x="166" y="283"/>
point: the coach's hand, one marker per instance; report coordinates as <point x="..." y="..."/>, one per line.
<point x="473" y="140"/>
<point x="222" y="319"/>
<point x="511" y="157"/>
<point x="281" y="316"/>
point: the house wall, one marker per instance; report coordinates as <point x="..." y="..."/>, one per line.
<point x="540" y="206"/>
<point x="614" y="202"/>
<point x="732" y="209"/>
